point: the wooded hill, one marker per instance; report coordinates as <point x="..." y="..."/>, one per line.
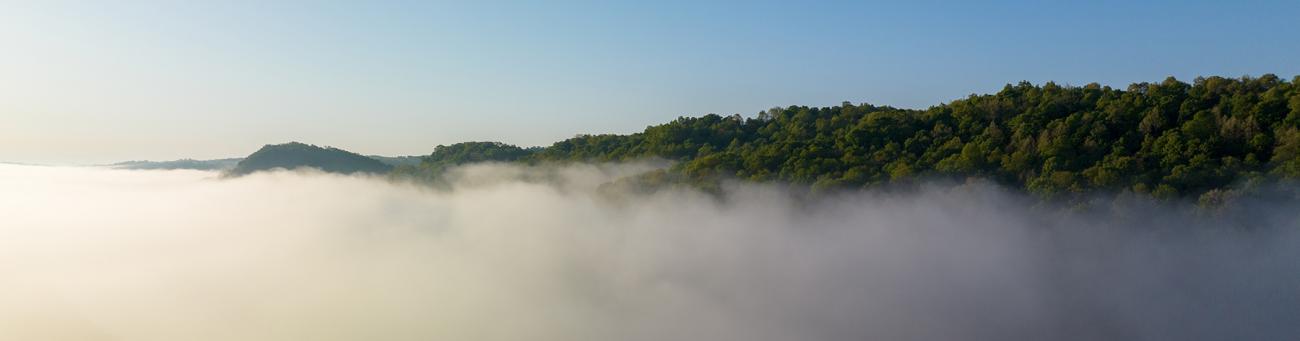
<point x="1167" y="139"/>
<point x="295" y="155"/>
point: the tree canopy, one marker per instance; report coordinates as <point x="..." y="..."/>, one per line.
<point x="461" y="153"/>
<point x="1168" y="139"/>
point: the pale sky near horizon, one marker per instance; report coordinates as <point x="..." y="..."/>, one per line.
<point x="98" y="82"/>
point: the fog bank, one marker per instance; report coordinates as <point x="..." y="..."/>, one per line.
<point x="511" y="253"/>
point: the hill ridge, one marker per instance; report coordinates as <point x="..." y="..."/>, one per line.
<point x="294" y="155"/>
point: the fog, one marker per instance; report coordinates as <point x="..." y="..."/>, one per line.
<point x="508" y="253"/>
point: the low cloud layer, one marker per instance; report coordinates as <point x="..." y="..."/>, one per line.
<point x="513" y="254"/>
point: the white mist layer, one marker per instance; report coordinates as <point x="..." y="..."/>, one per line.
<point x="95" y="254"/>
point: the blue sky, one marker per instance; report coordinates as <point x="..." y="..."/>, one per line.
<point x="110" y="81"/>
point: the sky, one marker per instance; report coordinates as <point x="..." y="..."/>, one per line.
<point x="98" y="82"/>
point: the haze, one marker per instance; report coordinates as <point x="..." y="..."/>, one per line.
<point x="667" y="170"/>
<point x="501" y="254"/>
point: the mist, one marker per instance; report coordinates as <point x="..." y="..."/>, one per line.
<point x="516" y="253"/>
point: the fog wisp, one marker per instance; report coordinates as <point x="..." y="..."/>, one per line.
<point x="507" y="254"/>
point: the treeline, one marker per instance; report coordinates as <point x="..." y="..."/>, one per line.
<point x="444" y="157"/>
<point x="1167" y="139"/>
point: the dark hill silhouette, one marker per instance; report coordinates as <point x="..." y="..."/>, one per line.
<point x="295" y="155"/>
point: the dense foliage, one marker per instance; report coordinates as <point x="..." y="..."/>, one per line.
<point x="1168" y="139"/>
<point x="461" y="153"/>
<point x="298" y="155"/>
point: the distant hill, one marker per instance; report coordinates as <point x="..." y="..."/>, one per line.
<point x="443" y="157"/>
<point x="295" y="155"/>
<point x="396" y="161"/>
<point x="214" y="165"/>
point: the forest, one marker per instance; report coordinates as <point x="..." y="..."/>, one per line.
<point x="1169" y="139"/>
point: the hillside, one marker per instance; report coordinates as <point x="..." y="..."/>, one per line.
<point x="432" y="165"/>
<point x="1167" y="139"/>
<point x="299" y="155"/>
<point x="398" y="160"/>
